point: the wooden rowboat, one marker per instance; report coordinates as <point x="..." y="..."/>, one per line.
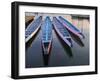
<point x="71" y="27"/>
<point x="46" y="35"/>
<point x="33" y="28"/>
<point x="62" y="32"/>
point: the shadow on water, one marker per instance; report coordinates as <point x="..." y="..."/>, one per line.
<point x="67" y="49"/>
<point x="46" y="57"/>
<point x="77" y="39"/>
<point x="29" y="43"/>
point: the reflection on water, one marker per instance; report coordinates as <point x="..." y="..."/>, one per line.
<point x="66" y="48"/>
<point x="61" y="54"/>
<point x="46" y="59"/>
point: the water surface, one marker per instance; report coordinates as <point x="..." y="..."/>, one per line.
<point x="60" y="55"/>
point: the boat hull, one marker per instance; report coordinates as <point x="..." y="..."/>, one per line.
<point x="62" y="38"/>
<point x="46" y="35"/>
<point x="77" y="33"/>
<point x="33" y="28"/>
<point x="58" y="27"/>
<point x="80" y="35"/>
<point x="46" y="49"/>
<point x="32" y="34"/>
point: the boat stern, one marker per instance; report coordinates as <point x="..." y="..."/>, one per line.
<point x="46" y="47"/>
<point x="70" y="42"/>
<point x="81" y="35"/>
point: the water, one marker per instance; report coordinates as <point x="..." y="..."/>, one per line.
<point x="60" y="55"/>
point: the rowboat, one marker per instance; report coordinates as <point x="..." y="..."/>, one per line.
<point x="71" y="27"/>
<point x="33" y="28"/>
<point x="46" y="35"/>
<point x="62" y="32"/>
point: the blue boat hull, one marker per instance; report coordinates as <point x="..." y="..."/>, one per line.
<point x="66" y="39"/>
<point x="46" y="35"/>
<point x="71" y="27"/>
<point x="29" y="32"/>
